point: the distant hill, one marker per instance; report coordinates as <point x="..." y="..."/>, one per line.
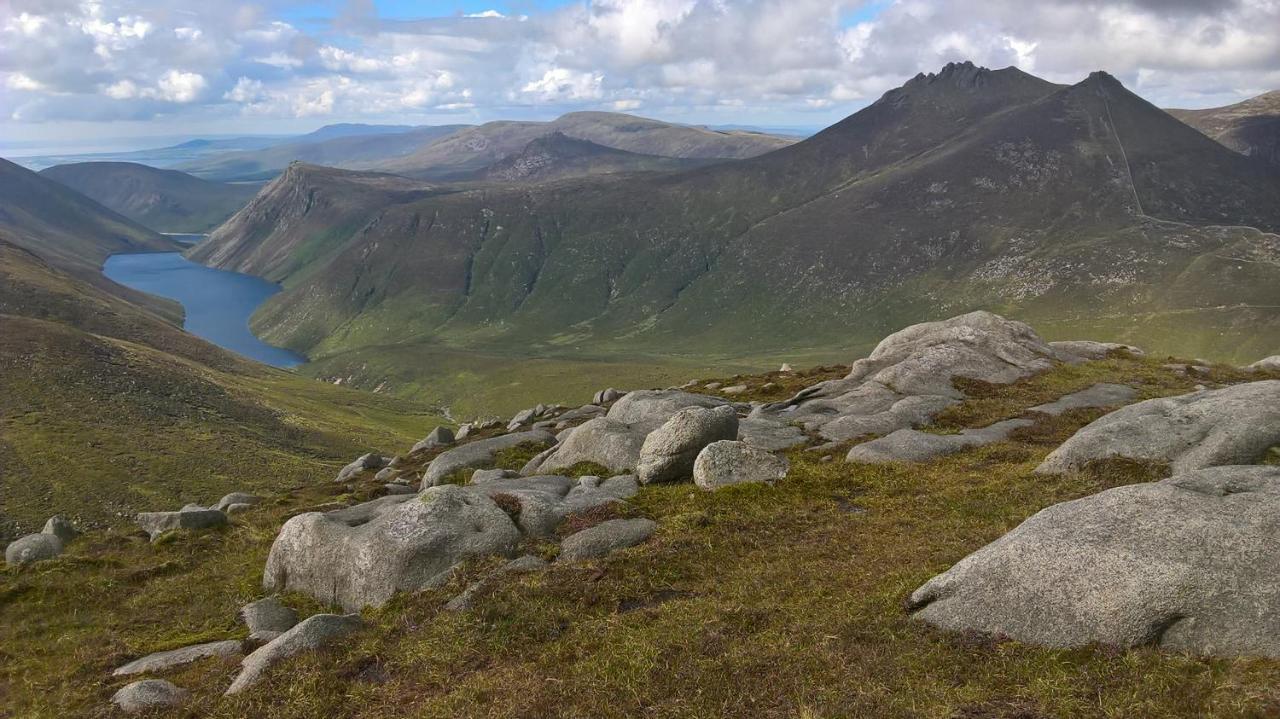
<point x="558" y="156"/>
<point x="64" y="227"/>
<point x="466" y="152"/>
<point x="163" y="200"/>
<point x="1082" y="208"/>
<point x="332" y="146"/>
<point x="1251" y="127"/>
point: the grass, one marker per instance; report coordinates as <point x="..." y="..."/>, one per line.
<point x="752" y="601"/>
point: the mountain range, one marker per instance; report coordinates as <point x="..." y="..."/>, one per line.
<point x="1251" y="127"/>
<point x="1083" y="208"/>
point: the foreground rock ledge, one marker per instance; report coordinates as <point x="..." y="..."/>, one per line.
<point x="1189" y="563"/>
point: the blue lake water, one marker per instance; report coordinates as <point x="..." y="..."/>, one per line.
<point x="217" y="303"/>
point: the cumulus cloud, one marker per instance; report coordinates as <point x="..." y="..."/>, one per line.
<point x="730" y="59"/>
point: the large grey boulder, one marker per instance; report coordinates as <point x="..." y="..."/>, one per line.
<point x="1188" y="563"/>
<point x="1233" y="425"/>
<point x="604" y="538"/>
<point x="479" y="453"/>
<point x="649" y="409"/>
<point x="363" y="463"/>
<point x="1269" y="364"/>
<point x="668" y="452"/>
<point x="157" y="523"/>
<point x="579" y="414"/>
<point x="770" y="433"/>
<point x="32" y="548"/>
<point x="909" y="377"/>
<point x="912" y="445"/>
<point x="439" y="437"/>
<point x="267" y="618"/>
<point x="723" y="463"/>
<point x="312" y="633"/>
<point x="58" y="526"/>
<point x="149" y="695"/>
<point x="612" y="445"/>
<point x="160" y="661"/>
<point x="409" y="546"/>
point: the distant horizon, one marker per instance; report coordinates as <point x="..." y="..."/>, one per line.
<point x="117" y="71"/>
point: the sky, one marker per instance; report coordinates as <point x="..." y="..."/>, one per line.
<point x="78" y="71"/>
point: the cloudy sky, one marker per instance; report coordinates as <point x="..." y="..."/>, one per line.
<point x="78" y="69"/>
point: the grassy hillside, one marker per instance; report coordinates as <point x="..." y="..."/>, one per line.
<point x="752" y="601"/>
<point x="163" y="200"/>
<point x="558" y="156"/>
<point x="352" y="147"/>
<point x="106" y="409"/>
<point x="1251" y="127"/>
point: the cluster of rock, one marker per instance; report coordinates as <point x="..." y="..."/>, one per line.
<point x="45" y="544"/>
<point x="274" y="634"/>
<point x="195" y="516"/>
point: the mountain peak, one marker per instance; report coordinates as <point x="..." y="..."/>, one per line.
<point x="959" y="74"/>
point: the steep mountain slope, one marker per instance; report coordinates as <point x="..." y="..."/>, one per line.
<point x="1251" y="127"/>
<point x="464" y="153"/>
<point x="558" y="156"/>
<point x="1081" y="207"/>
<point x="106" y="408"/>
<point x="163" y="200"/>
<point x="64" y="227"/>
<point x="347" y="148"/>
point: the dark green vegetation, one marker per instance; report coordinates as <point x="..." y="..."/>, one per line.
<point x="1082" y="209"/>
<point x="163" y="200"/>
<point x="107" y="408"/>
<point x="356" y="147"/>
<point x="1251" y="127"/>
<point x="558" y="156"/>
<point x="752" y="601"/>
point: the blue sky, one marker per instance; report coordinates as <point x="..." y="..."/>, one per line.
<point x="75" y="69"/>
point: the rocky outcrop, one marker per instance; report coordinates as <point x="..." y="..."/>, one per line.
<point x="59" y="527"/>
<point x="912" y="445"/>
<point x="769" y="433"/>
<point x="1269" y="364"/>
<point x="615" y="440"/>
<point x="408" y="545"/>
<point x="479" y="453"/>
<point x="668" y="452"/>
<point x="1233" y="425"/>
<point x="1187" y="563"/>
<point x="544" y="502"/>
<point x="312" y="633"/>
<point x="1074" y="351"/>
<point x="161" y="661"/>
<point x="438" y="437"/>
<point x="909" y="377"/>
<point x="365" y="463"/>
<point x="32" y="548"/>
<point x="1099" y="395"/>
<point x="605" y="538"/>
<point x="236" y="498"/>
<point x="191" y="517"/>
<point x="725" y="463"/>
<point x="149" y="695"/>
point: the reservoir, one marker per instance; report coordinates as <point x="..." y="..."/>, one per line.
<point x="217" y="303"/>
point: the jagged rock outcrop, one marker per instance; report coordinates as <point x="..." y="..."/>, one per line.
<point x="668" y="452"/>
<point x="160" y="661"/>
<point x="406" y="545"/>
<point x="1233" y="425"/>
<point x="312" y="633"/>
<point x="908" y="378"/>
<point x="1187" y="563"/>
<point x="479" y="453"/>
<point x="605" y="538"/>
<point x="724" y="463"/>
<point x="149" y="695"/>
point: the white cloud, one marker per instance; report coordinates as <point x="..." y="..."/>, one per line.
<point x="246" y="91"/>
<point x="561" y="84"/>
<point x="122" y="90"/>
<point x="19" y="81"/>
<point x="486" y="13"/>
<point x="178" y="86"/>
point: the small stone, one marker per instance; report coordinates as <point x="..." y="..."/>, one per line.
<point x="604" y="538"/>
<point x="160" y="661"/>
<point x="724" y="463"/>
<point x="149" y="694"/>
<point x="364" y="463"/>
<point x="314" y="632"/>
<point x="157" y="523"/>
<point x="439" y="437"/>
<point x="735" y="389"/>
<point x="713" y="385"/>
<point x="237" y="498"/>
<point x="267" y="618"/>
<point x="786" y="367"/>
